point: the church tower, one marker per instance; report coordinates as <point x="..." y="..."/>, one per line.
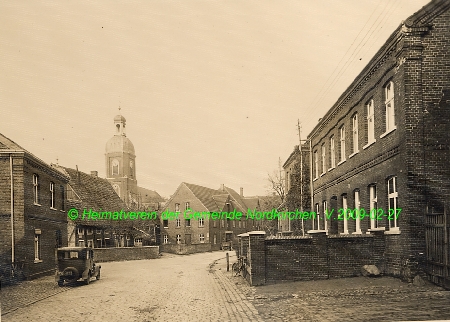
<point x="120" y="164"/>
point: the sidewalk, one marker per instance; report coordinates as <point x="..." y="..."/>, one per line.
<point x="346" y="299"/>
<point x="28" y="292"/>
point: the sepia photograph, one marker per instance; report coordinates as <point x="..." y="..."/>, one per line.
<point x="225" y="160"/>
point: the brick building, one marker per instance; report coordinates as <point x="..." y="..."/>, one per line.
<point x="181" y="235"/>
<point x="384" y="145"/>
<point x="34" y="193"/>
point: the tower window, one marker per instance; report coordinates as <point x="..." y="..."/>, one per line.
<point x="115" y="167"/>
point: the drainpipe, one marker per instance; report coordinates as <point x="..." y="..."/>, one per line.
<point x="311" y="173"/>
<point x="12" y="208"/>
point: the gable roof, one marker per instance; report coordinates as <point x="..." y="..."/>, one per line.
<point x="95" y="193"/>
<point x="148" y="195"/>
<point x="205" y="195"/>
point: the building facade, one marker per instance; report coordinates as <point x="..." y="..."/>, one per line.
<point x="381" y="151"/>
<point x="33" y="212"/>
<point x="184" y="232"/>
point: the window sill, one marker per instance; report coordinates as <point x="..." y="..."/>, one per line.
<point x="376" y="229"/>
<point x="353" y="154"/>
<point x="359" y="232"/>
<point x="392" y="231"/>
<point x="322" y="174"/>
<point x="36" y="204"/>
<point x="316" y="231"/>
<point x="387" y="132"/>
<point x="53" y="208"/>
<point x="341" y="162"/>
<point x="369" y="144"/>
<point x="38" y="261"/>
<point x="315" y="179"/>
<point x="331" y="169"/>
<point x="344" y="233"/>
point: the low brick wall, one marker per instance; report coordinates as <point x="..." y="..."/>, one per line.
<point x="125" y="253"/>
<point x="183" y="249"/>
<point x="315" y="256"/>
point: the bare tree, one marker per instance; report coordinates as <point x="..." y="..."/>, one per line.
<point x="276" y="184"/>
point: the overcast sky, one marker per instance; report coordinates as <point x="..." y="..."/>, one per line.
<point x="211" y="90"/>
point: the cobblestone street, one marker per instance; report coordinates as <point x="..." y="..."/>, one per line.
<point x="198" y="288"/>
<point x="182" y="288"/>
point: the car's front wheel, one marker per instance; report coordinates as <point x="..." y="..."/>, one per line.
<point x="61" y="282"/>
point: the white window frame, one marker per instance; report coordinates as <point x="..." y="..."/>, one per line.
<point x="332" y="153"/>
<point x="355" y="141"/>
<point x="342" y="143"/>
<point x="393" y="201"/>
<point x="316" y="223"/>
<point x="177" y="207"/>
<point x="373" y="206"/>
<point x="344" y="208"/>
<point x="37" y="247"/>
<point x="316" y="165"/>
<point x="52" y="195"/>
<point x="178" y="222"/>
<point x="389" y="106"/>
<point x="323" y="159"/>
<point x="357" y="214"/>
<point x="36" y="189"/>
<point x="165" y="239"/>
<point x="370" y="122"/>
<point x="178" y="239"/>
<point x="325" y="209"/>
<point x="187" y="205"/>
<point x="115" y="165"/>
<point x="201" y="222"/>
<point x="202" y="238"/>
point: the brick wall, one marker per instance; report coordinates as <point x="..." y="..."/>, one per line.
<point x="183" y="249"/>
<point x="315" y="256"/>
<point x="125" y="253"/>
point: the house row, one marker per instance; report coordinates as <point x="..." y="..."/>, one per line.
<point x="382" y="151"/>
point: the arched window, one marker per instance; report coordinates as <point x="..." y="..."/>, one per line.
<point x="115" y="167"/>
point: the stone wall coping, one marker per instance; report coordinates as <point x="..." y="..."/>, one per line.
<point x="287" y="237"/>
<point x="132" y="247"/>
<point x="257" y="232"/>
<point x="350" y="236"/>
<point x="243" y="235"/>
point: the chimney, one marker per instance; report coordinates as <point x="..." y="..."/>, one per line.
<point x="222" y="187"/>
<point x="242" y="192"/>
<point x="94" y="173"/>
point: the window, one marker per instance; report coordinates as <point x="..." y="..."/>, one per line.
<point x="90" y="243"/>
<point x="325" y="212"/>
<point x="202" y="238"/>
<point x="373" y="206"/>
<point x="165" y="223"/>
<point x="239" y="223"/>
<point x="81" y="231"/>
<point x="393" y="202"/>
<point x="52" y="195"/>
<point x="214" y="223"/>
<point x="316" y="165"/>
<point x="36" y="189"/>
<point x="344" y="207"/>
<point x="215" y="239"/>
<point x="323" y="159"/>
<point x="178" y="239"/>
<point x="316" y="223"/>
<point x="61" y="189"/>
<point x="389" y="103"/>
<point x="81" y="243"/>
<point x="201" y="222"/>
<point x="332" y="153"/>
<point x="98" y="231"/>
<point x="188" y="223"/>
<point x="357" y="220"/>
<point x="177" y="207"/>
<point x="131" y="168"/>
<point x="187" y="206"/>
<point x="342" y="145"/>
<point x="165" y="239"/>
<point x="115" y="167"/>
<point x="89" y="231"/>
<point x="355" y="133"/>
<point x="370" y="122"/>
<point x="178" y="221"/>
<point x="223" y="223"/>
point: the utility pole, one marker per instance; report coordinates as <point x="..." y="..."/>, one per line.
<point x="299" y="127"/>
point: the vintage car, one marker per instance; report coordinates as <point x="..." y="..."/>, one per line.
<point x="76" y="263"/>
